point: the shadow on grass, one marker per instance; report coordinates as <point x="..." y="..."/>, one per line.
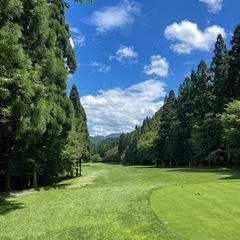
<point x="7" y="206"/>
<point x="56" y="186"/>
<point x="147" y="166"/>
<point x="231" y="174"/>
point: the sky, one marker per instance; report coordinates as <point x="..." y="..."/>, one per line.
<point x="131" y="53"/>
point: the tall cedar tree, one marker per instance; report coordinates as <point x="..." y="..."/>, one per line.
<point x="234" y="71"/>
<point x="16" y="87"/>
<point x="185" y="117"/>
<point x="166" y="127"/>
<point x="36" y="115"/>
<point x="146" y="143"/>
<point x="220" y="69"/>
<point x="78" y="144"/>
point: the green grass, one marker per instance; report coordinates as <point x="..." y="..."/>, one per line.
<point x="113" y="202"/>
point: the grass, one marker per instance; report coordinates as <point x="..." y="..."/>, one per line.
<point x="113" y="202"/>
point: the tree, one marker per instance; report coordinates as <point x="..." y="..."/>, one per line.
<point x="112" y="155"/>
<point x="146" y="144"/>
<point x="231" y="131"/>
<point x="46" y="41"/>
<point x="16" y="87"/>
<point x="185" y="117"/>
<point x="202" y="104"/>
<point x="234" y="74"/>
<point x="130" y="156"/>
<point x="77" y="148"/>
<point x="167" y="122"/>
<point x="220" y="70"/>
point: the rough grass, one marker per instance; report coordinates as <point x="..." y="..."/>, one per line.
<point x="111" y="202"/>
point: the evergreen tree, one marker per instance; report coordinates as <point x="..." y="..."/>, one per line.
<point x="77" y="148"/>
<point x="231" y="132"/>
<point x="130" y="156"/>
<point x="185" y="116"/>
<point x="122" y="143"/>
<point x="220" y="69"/>
<point x="146" y="144"/>
<point x="166" y="126"/>
<point x="16" y="87"/>
<point x="203" y="99"/>
<point x="234" y="73"/>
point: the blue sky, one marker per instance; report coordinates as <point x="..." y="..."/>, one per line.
<point x="131" y="53"/>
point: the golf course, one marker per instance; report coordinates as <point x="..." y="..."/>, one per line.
<point x="116" y="202"/>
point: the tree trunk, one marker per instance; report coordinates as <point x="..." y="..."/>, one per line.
<point x="80" y="168"/>
<point x="6" y="162"/>
<point x="8" y="183"/>
<point x="76" y="171"/>
<point x="228" y="160"/>
<point x="35" y="185"/>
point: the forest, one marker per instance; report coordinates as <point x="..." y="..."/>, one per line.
<point x="43" y="130"/>
<point x="198" y="126"/>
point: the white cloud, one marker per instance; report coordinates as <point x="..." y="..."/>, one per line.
<point x="190" y="37"/>
<point x="77" y="38"/>
<point x="125" y="54"/>
<point x="120" y="110"/>
<point x="214" y="6"/>
<point x="159" y="66"/>
<point x="114" y="17"/>
<point x="100" y="67"/>
<point x="71" y="42"/>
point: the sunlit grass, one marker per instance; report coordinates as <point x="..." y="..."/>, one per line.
<point x="200" y="211"/>
<point x="108" y="202"/>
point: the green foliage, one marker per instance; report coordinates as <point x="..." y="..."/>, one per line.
<point x="112" y="155"/>
<point x="231" y="129"/>
<point x="146" y="152"/>
<point x="103" y="146"/>
<point x="130" y="156"/>
<point x="96" y="158"/>
<point x="189" y="131"/>
<point x="77" y="147"/>
<point x="234" y="75"/>
<point x="220" y="70"/>
<point x="36" y="116"/>
<point x="166" y="131"/>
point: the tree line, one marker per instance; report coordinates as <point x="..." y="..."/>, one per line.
<point x="199" y="126"/>
<point x="43" y="131"/>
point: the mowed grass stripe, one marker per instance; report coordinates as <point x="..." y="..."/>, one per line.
<point x="200" y="211"/>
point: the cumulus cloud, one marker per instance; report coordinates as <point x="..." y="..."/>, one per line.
<point x="77" y="38"/>
<point x="100" y="67"/>
<point x="214" y="6"/>
<point x="125" y="54"/>
<point x="189" y="37"/>
<point x="114" y="17"/>
<point x="121" y="109"/>
<point x="159" y="66"/>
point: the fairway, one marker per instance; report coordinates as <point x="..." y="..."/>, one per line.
<point x="116" y="202"/>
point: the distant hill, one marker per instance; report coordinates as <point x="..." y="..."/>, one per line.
<point x="98" y="139"/>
